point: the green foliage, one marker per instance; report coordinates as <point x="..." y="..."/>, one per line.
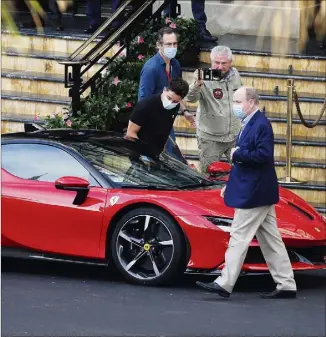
<point x="119" y="91"/>
<point x="55" y="121"/>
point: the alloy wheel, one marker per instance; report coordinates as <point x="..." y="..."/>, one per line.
<point x="144" y="247"/>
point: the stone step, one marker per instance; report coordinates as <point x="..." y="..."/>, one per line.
<point x="302" y="170"/>
<point x="49" y="41"/>
<point x="310" y="103"/>
<point x="321" y="208"/>
<point x="311" y="148"/>
<point x="71" y="39"/>
<point x="43" y="83"/>
<point x="25" y="103"/>
<point x="33" y="82"/>
<point x="313" y="192"/>
<point x="14" y="66"/>
<point x="38" y="61"/>
<point x="279" y="123"/>
<point x="269" y="79"/>
<point x="14" y="122"/>
<point x="267" y="60"/>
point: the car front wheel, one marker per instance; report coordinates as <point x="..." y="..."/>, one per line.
<point x="148" y="247"/>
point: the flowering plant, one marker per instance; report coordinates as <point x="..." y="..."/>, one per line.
<point x="99" y="111"/>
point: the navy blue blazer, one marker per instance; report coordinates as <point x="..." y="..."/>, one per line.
<point x="153" y="76"/>
<point x="253" y="181"/>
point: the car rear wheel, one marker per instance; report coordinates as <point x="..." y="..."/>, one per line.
<point x="148" y="247"/>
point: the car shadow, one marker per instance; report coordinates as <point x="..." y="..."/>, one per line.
<point x="247" y="283"/>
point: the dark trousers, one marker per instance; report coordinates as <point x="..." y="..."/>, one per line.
<point x="55" y="14"/>
<point x="94" y="12"/>
<point x="115" y="5"/>
<point x="198" y="12"/>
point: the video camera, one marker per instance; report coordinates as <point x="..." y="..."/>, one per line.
<point x="208" y="74"/>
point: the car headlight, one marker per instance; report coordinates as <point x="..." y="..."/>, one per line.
<point x="222" y="223"/>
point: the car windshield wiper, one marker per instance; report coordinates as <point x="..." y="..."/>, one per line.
<point x="202" y="183"/>
<point x="149" y="187"/>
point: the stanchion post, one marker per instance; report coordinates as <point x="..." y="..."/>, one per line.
<point x="289" y="130"/>
<point x="288" y="175"/>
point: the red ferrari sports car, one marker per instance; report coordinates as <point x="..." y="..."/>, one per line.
<point x="93" y="196"/>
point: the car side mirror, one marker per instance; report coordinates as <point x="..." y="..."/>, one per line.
<point x="219" y="168"/>
<point x="80" y="185"/>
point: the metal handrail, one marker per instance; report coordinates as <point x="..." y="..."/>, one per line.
<point x="100" y="30"/>
<point x="96" y="53"/>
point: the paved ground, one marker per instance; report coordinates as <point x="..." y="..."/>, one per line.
<point x="43" y="299"/>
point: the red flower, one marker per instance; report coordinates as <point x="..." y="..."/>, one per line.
<point x="116" y="81"/>
<point x="69" y="123"/>
<point x="173" y="25"/>
<point x="129" y="105"/>
<point x="140" y="40"/>
<point x="36" y="117"/>
<point x="140" y="57"/>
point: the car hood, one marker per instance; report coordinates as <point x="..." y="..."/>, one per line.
<point x="296" y="219"/>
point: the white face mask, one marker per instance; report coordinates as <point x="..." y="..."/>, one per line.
<point x="170" y="53"/>
<point x="167" y="104"/>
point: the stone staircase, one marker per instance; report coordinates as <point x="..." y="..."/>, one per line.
<point x="33" y="85"/>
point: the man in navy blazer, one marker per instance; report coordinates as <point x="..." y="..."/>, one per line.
<point x="252" y="189"/>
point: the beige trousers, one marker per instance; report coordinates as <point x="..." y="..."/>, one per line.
<point x="247" y="223"/>
<point x="211" y="151"/>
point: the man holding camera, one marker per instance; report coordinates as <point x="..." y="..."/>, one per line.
<point x="217" y="127"/>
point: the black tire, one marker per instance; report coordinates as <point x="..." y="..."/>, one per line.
<point x="162" y="241"/>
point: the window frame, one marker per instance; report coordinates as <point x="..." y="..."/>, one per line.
<point x="97" y="176"/>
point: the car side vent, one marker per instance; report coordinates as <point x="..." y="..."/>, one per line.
<point x="310" y="217"/>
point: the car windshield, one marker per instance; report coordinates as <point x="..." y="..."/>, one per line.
<point x="126" y="167"/>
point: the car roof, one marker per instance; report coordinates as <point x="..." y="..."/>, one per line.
<point x="104" y="138"/>
<point x="63" y="134"/>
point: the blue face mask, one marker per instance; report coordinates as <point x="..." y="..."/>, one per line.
<point x="238" y="111"/>
<point x="170" y="53"/>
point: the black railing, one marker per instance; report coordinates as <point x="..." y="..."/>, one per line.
<point x="81" y="60"/>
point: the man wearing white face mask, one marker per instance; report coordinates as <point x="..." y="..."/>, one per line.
<point x="153" y="117"/>
<point x="160" y="69"/>
<point x="252" y="189"/>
